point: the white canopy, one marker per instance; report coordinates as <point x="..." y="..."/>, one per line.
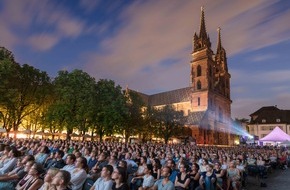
<point x="277" y="135"/>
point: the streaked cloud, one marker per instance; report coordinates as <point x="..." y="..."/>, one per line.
<point x="43" y="42"/>
<point x="89" y="5"/>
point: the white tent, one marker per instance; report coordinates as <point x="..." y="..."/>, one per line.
<point x="277" y="135"/>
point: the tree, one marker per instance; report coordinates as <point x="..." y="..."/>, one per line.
<point x="134" y="119"/>
<point x="23" y="90"/>
<point x="169" y="122"/>
<point x="109" y="108"/>
<point x="150" y="123"/>
<point x="74" y="97"/>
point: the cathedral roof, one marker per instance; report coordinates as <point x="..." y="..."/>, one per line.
<point x="170" y="97"/>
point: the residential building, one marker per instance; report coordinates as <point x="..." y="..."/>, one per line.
<point x="264" y="120"/>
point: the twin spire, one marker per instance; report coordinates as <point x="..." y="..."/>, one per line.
<point x="202" y="29"/>
<point x="202" y="40"/>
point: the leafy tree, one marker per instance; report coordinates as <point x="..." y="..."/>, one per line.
<point x="150" y="122"/>
<point x="72" y="107"/>
<point x="134" y="117"/>
<point x="169" y="122"/>
<point x="109" y="108"/>
<point x="23" y="90"/>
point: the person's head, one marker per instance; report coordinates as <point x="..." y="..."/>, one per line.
<point x="120" y="174"/>
<point x="78" y="154"/>
<point x="156" y="163"/>
<point x="113" y="160"/>
<point x="50" y="174"/>
<point x="217" y="166"/>
<point x="183" y="167"/>
<point x="59" y="154"/>
<point x="148" y="169"/>
<point x="81" y="162"/>
<point x="107" y="171"/>
<point x="70" y="159"/>
<point x="45" y="150"/>
<point x="102" y="156"/>
<point x="7" y="149"/>
<point x="238" y="161"/>
<point x="128" y="156"/>
<point x="93" y="154"/>
<point x="27" y="158"/>
<point x="28" y="166"/>
<point x="209" y="167"/>
<point x="166" y="172"/>
<point x="62" y="178"/>
<point x="13" y="153"/>
<point x="195" y="166"/>
<point x="170" y="163"/>
<point x="36" y="170"/>
<point x="204" y="162"/>
<point x="232" y="164"/>
<point x="123" y="164"/>
<point x="143" y="160"/>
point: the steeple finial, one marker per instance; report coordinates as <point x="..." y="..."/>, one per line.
<point x="219" y="44"/>
<point x="202" y="31"/>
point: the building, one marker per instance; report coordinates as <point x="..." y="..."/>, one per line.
<point x="206" y="101"/>
<point x="264" y="120"/>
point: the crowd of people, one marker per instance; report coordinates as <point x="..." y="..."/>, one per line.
<point x="30" y="164"/>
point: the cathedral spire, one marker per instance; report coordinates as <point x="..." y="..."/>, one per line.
<point x="202" y="31"/>
<point x="201" y="41"/>
<point x="219" y="44"/>
<point x="221" y="57"/>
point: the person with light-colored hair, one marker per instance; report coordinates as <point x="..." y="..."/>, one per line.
<point x="48" y="179"/>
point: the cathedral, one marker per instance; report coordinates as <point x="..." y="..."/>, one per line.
<point x="206" y="102"/>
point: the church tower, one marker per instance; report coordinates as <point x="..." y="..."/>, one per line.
<point x="222" y="76"/>
<point x="210" y="83"/>
<point x="202" y="64"/>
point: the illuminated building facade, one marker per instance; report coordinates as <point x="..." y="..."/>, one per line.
<point x="206" y="102"/>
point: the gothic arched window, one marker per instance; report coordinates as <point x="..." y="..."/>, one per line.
<point x="198" y="71"/>
<point x="198" y="85"/>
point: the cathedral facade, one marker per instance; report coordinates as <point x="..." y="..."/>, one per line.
<point x="206" y="102"/>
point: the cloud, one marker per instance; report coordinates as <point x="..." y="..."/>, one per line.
<point x="243" y="107"/>
<point x="261" y="58"/>
<point x="69" y="27"/>
<point x="7" y="37"/>
<point x="43" y="42"/>
<point x="89" y="5"/>
<point x="51" y="22"/>
<point x="153" y="32"/>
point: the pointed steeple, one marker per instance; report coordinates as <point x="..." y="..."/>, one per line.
<point x="221" y="57"/>
<point x="202" y="29"/>
<point x="219" y="44"/>
<point x="201" y="41"/>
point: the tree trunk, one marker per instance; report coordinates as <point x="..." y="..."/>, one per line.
<point x="69" y="132"/>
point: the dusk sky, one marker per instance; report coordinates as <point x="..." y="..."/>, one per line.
<point x="147" y="44"/>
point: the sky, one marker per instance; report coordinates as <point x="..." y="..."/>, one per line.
<point x="147" y="44"/>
